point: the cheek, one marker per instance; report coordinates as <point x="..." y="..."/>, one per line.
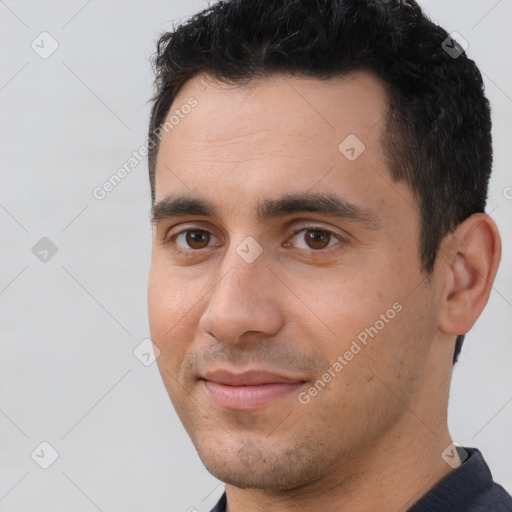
<point x="395" y="345"/>
<point x="169" y="334"/>
<point x="345" y="308"/>
<point x="160" y="307"/>
<point x="372" y="320"/>
<point x="172" y="299"/>
<point x="171" y="319"/>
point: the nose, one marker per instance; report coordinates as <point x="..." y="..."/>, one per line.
<point x="245" y="299"/>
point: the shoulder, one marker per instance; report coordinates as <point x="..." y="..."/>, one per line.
<point x="468" y="488"/>
<point x="493" y="499"/>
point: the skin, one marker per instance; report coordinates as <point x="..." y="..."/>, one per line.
<point x="372" y="438"/>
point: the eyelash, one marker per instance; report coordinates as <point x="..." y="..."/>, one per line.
<point x="170" y="240"/>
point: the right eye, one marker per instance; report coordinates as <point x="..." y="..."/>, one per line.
<point x="189" y="240"/>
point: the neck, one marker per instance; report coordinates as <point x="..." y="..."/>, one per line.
<point x="392" y="476"/>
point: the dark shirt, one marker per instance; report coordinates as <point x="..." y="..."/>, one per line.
<point x="468" y="488"/>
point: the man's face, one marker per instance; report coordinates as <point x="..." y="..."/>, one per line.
<point x="293" y="338"/>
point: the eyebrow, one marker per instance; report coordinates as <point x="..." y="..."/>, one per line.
<point x="328" y="204"/>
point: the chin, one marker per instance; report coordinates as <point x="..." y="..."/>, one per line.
<point x="248" y="467"/>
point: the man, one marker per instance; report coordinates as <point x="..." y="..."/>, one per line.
<point x="319" y="175"/>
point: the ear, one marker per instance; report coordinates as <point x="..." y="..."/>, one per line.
<point x="472" y="255"/>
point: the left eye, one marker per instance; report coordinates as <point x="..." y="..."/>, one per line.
<point x="316" y="238"/>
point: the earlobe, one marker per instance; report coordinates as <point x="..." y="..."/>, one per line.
<point x="471" y="256"/>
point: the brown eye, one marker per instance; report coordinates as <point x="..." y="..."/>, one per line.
<point x="197" y="239"/>
<point x="317" y="239"/>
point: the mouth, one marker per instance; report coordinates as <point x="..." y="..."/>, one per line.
<point x="249" y="390"/>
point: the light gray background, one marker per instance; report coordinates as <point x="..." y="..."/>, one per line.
<point x="69" y="326"/>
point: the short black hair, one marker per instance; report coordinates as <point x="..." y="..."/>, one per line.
<point x="438" y="127"/>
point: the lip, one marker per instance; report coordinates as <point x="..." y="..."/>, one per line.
<point x="248" y="390"/>
<point x="249" y="378"/>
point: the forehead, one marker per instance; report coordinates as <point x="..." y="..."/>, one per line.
<point x="230" y="117"/>
<point x="276" y="134"/>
